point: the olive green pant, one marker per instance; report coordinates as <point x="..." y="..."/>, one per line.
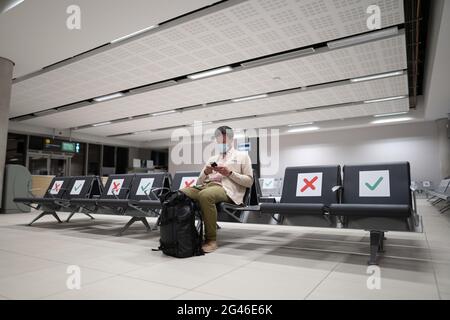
<point x="207" y="196"/>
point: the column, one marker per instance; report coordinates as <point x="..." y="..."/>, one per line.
<point x="6" y="68"/>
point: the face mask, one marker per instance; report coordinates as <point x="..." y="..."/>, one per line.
<point x="222" y="147"/>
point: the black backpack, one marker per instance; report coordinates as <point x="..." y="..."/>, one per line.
<point x="179" y="235"/>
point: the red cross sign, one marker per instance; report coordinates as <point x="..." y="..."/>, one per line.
<point x="309" y="184"/>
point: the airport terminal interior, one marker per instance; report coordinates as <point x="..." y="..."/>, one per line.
<point x="310" y="140"/>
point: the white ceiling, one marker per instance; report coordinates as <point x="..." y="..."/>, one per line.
<point x="332" y="113"/>
<point x="239" y="32"/>
<point x="34" y="34"/>
<point x="389" y="87"/>
<point x="227" y="33"/>
<point x="331" y="65"/>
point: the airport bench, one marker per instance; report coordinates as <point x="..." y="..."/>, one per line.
<point x="307" y="192"/>
<point x="134" y="195"/>
<point x="377" y="198"/>
<point x="49" y="203"/>
<point x="441" y="193"/>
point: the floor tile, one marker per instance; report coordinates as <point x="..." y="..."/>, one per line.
<point x="120" y="287"/>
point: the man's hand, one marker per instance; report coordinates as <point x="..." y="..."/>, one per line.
<point x="208" y="170"/>
<point x="223" y="170"/>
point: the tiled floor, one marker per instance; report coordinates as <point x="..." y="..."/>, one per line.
<point x="253" y="262"/>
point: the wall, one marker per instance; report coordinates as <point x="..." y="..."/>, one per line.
<point x="413" y="142"/>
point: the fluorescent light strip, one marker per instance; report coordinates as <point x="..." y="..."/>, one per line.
<point x="390" y="114"/>
<point x="101" y="124"/>
<point x="11" y="5"/>
<point x="209" y="73"/>
<point x="200" y="123"/>
<point x="391" y="120"/>
<point x="377" y="76"/>
<point x="109" y="97"/>
<point x="278" y="58"/>
<point x="363" y="38"/>
<point x="304" y="129"/>
<point x="259" y="96"/>
<point x="300" y="124"/>
<point x="163" y="113"/>
<point x="133" y="34"/>
<point x="385" y="99"/>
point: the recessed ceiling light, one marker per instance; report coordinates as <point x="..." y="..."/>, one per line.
<point x="300" y="124"/>
<point x="163" y="113"/>
<point x="304" y="129"/>
<point x="133" y="34"/>
<point x="385" y="99"/>
<point x="109" y="97"/>
<point x="377" y="76"/>
<point x="101" y="124"/>
<point x="259" y="96"/>
<point x="209" y="73"/>
<point x="390" y="114"/>
<point x="363" y="38"/>
<point x="391" y="120"/>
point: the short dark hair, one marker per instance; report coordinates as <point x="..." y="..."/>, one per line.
<point x="220" y="131"/>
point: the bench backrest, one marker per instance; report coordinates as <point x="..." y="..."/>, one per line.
<point x="311" y="184"/>
<point x="385" y="183"/>
<point x="144" y="183"/>
<point x="80" y="187"/>
<point x="58" y="187"/>
<point x="184" y="179"/>
<point x="117" y="186"/>
<point x="443" y="186"/>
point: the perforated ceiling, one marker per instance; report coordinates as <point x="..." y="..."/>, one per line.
<point x="230" y="34"/>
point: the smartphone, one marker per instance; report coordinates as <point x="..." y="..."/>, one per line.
<point x="213" y="164"/>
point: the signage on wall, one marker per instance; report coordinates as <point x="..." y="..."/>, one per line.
<point x="58" y="145"/>
<point x="245" y="146"/>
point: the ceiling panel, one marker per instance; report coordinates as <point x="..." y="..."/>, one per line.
<point x="346" y="93"/>
<point x="331" y="65"/>
<point x="239" y="32"/>
<point x="353" y="111"/>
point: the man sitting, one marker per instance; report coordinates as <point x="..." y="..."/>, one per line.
<point x="224" y="178"/>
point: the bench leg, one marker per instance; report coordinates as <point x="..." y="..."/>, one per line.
<point x="376" y="246"/>
<point x="133" y="220"/>
<point x="445" y="208"/>
<point x="435" y="202"/>
<point x="92" y="218"/>
<point x="70" y="216"/>
<point x="44" y="214"/>
<point x="72" y="213"/>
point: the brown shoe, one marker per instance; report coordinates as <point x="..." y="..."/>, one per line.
<point x="209" y="246"/>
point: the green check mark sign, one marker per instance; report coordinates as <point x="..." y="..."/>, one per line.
<point x="372" y="187"/>
<point x="77" y="187"/>
<point x="144" y="188"/>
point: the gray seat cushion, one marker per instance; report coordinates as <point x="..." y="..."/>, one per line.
<point x="293" y="208"/>
<point x="370" y="210"/>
